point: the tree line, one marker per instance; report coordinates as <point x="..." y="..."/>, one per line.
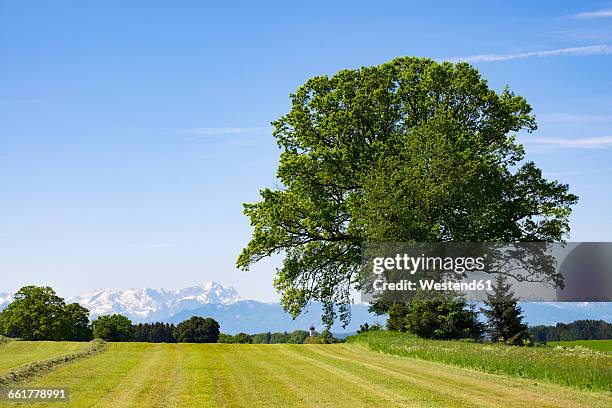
<point x="38" y="313"/>
<point x="578" y="330"/>
<point x="295" y="337"/>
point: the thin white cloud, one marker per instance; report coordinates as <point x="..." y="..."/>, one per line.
<point x="595" y="14"/>
<point x="601" y="142"/>
<point x="559" y="52"/>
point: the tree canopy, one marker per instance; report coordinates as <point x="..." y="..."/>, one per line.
<point x="409" y="151"/>
<point x="37" y="313"/>
<point x="113" y="327"/>
<point x="197" y="330"/>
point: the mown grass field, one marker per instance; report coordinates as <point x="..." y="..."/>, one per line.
<point x="599" y="345"/>
<point x="17" y="353"/>
<point x="575" y="367"/>
<point x="337" y="375"/>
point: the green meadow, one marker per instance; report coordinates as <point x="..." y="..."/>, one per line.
<point x="274" y="375"/>
<point x="598" y="345"/>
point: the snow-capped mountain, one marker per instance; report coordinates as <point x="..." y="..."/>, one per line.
<point x="5" y="299"/>
<point x="145" y="304"/>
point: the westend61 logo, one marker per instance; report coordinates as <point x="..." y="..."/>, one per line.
<point x="576" y="272"/>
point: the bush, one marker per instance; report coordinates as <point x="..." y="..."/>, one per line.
<point x="447" y="318"/>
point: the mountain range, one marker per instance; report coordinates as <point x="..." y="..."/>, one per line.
<point x="146" y="304"/>
<point x="212" y="299"/>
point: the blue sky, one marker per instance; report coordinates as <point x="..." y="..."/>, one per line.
<point x="130" y="134"/>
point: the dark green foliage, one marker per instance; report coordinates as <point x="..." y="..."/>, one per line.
<point x="578" y="330"/>
<point x="504" y="320"/>
<point x="326" y="337"/>
<point x="154" y="332"/>
<point x="443" y="318"/>
<point x="297" y="336"/>
<point x="366" y="328"/>
<point x="408" y="151"/>
<point x="113" y="328"/>
<point x="262" y="338"/>
<point x="75" y="323"/>
<point x="197" y="330"/>
<point x="37" y="313"/>
<point x="240" y="338"/>
<point x="279" y="338"/>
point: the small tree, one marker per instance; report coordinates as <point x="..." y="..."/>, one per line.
<point x="505" y="322"/>
<point x="113" y="328"/>
<point x="197" y="330"/>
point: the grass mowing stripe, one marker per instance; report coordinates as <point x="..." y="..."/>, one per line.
<point x="16" y="353"/>
<point x="478" y="396"/>
<point x="421" y="392"/>
<point x="436" y="373"/>
<point x="37" y="368"/>
<point x="198" y="374"/>
<point x="259" y="388"/>
<point x="90" y="379"/>
<point x="579" y="368"/>
<point x="220" y="375"/>
<point x="308" y="386"/>
<point x="376" y="390"/>
<point x="138" y="385"/>
<point x="474" y="385"/>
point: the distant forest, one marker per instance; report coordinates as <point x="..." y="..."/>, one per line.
<point x="578" y="330"/>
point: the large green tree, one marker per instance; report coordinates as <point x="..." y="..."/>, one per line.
<point x="37" y="313"/>
<point x="409" y="151"/>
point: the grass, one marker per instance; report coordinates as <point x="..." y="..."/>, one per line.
<point x="577" y="367"/>
<point x="598" y="345"/>
<point x="17" y="353"/>
<point x="335" y="375"/>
